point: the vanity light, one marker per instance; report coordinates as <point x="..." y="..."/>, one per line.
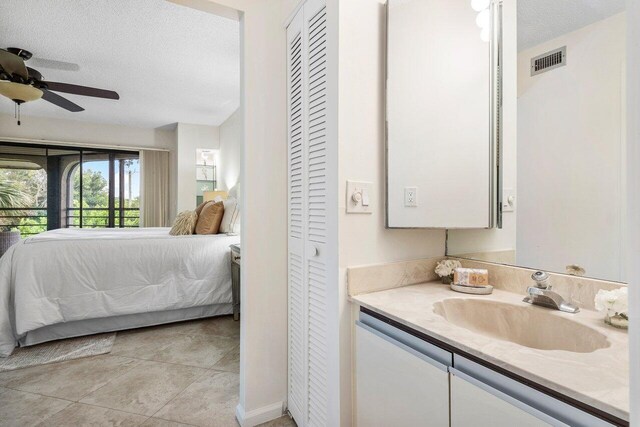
<point x="480" y="5"/>
<point x="485" y="34"/>
<point x="483" y="20"/>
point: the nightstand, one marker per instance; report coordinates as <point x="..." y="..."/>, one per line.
<point x="235" y="280"/>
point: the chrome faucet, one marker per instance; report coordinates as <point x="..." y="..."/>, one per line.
<point x="541" y="294"/>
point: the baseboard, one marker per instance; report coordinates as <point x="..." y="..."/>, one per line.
<point x="260" y="415"/>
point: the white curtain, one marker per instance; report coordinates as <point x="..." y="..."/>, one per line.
<point x="154" y="191"/>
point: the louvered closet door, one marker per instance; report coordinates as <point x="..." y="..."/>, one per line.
<point x="316" y="144"/>
<point x="297" y="276"/>
<point x="312" y="315"/>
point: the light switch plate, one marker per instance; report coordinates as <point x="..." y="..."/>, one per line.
<point x="508" y="200"/>
<point x="410" y="197"/>
<point x="357" y="192"/>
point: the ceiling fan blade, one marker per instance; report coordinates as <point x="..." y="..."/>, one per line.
<point x="56" y="99"/>
<point x="54" y="65"/>
<point x="13" y="64"/>
<point x="81" y="90"/>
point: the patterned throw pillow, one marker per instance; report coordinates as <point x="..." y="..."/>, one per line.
<point x="184" y="224"/>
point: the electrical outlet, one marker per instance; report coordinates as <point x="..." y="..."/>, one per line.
<point x="411" y="197"/>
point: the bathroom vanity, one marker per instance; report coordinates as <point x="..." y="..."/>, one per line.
<point x="446" y="359"/>
<point x="506" y="129"/>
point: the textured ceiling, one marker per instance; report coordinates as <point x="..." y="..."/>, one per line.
<point x="543" y="20"/>
<point x="169" y="63"/>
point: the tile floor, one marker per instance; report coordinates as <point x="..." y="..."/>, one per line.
<point x="165" y="376"/>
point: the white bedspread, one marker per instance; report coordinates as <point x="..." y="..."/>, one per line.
<point x="75" y="274"/>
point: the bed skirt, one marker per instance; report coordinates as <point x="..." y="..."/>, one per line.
<point x="119" y="323"/>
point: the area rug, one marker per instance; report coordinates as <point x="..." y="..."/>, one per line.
<point x="58" y="351"/>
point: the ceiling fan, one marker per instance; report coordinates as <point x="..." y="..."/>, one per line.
<point x="23" y="84"/>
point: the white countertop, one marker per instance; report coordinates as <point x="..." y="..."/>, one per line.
<point x="599" y="379"/>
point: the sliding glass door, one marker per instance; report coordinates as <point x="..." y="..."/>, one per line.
<point x="49" y="187"/>
<point x="104" y="191"/>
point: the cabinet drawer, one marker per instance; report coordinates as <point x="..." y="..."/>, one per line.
<point x="397" y="385"/>
<point x="552" y="411"/>
<point x="475" y="404"/>
<point x="433" y="352"/>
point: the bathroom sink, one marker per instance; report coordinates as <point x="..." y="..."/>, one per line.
<point x="528" y="326"/>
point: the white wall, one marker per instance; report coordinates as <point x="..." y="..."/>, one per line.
<point x="363" y="238"/>
<point x="504" y="239"/>
<point x="571" y="168"/>
<point x="40" y="128"/>
<point x="633" y="195"/>
<point x="189" y="138"/>
<point x="263" y="328"/>
<point x="230" y="158"/>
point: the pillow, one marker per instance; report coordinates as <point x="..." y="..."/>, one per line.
<point x="231" y="216"/>
<point x="210" y="218"/>
<point x="184" y="224"/>
<point x="201" y="206"/>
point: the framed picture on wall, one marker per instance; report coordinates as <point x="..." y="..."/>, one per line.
<point x="205" y="173"/>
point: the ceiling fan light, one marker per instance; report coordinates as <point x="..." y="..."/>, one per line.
<point x="19" y="92"/>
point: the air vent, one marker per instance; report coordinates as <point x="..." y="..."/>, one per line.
<point x="548" y="61"/>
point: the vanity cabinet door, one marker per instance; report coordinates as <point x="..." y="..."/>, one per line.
<point x="396" y="385"/>
<point x="476" y="404"/>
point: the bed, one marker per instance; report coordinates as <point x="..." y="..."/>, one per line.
<point x="72" y="282"/>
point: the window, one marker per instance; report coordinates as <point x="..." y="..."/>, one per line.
<point x="44" y="187"/>
<point x="23" y="193"/>
<point x="128" y="200"/>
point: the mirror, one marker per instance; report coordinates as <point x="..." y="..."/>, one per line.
<point x="442" y="58"/>
<point x="564" y="175"/>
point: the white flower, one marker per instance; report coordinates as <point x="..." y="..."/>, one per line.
<point x="445" y="267"/>
<point x="615" y="301"/>
<point x="621" y="305"/>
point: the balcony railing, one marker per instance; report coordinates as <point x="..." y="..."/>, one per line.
<point x="28" y="221"/>
<point x="31" y="221"/>
<point x="99" y="217"/>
